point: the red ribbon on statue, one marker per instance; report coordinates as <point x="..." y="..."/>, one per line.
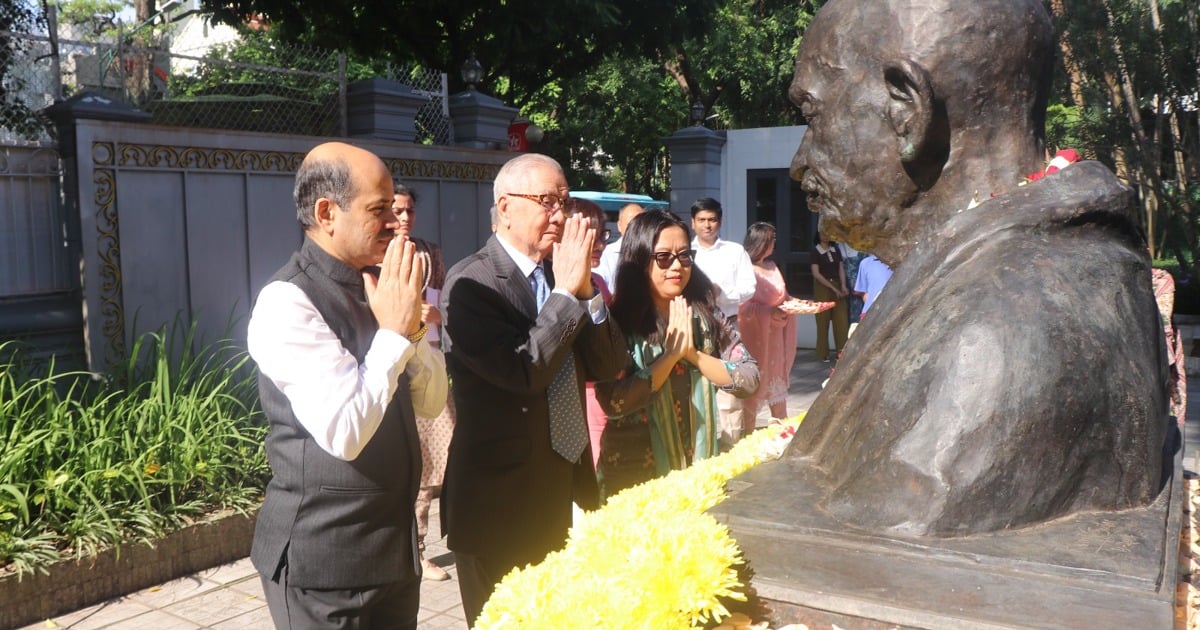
<point x="1061" y="160"/>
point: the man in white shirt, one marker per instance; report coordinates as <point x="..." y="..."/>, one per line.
<point x="728" y="266"/>
<point x="612" y="252"/>
<point x="343" y="370"/>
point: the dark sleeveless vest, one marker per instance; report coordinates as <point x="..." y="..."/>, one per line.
<point x="337" y="524"/>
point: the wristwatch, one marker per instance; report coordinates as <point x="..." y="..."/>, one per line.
<point x="419" y="335"/>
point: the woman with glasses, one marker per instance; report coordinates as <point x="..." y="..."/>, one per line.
<point x="662" y="412"/>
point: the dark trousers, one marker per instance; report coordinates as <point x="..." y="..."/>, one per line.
<point x="390" y="606"/>
<point x="477" y="578"/>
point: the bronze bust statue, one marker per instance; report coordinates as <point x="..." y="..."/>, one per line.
<point x="1013" y="369"/>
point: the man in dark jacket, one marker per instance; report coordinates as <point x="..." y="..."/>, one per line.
<point x="522" y="339"/>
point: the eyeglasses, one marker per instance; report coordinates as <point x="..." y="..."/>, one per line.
<point x="602" y="236"/>
<point x="664" y="260"/>
<point x="550" y="202"/>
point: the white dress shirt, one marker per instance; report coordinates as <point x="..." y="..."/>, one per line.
<point x="729" y="267"/>
<point x="337" y="400"/>
<point x="595" y="306"/>
<point x="608" y="264"/>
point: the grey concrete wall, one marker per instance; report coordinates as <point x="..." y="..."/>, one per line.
<point x="190" y="223"/>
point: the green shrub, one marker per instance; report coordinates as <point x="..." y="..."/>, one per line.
<point x="90" y="461"/>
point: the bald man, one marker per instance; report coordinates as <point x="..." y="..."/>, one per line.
<point x="344" y="368"/>
<point x="612" y="252"/>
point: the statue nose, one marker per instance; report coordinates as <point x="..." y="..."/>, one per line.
<point x="799" y="165"/>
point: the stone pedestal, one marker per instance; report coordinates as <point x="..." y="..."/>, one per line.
<point x="480" y="121"/>
<point x="1092" y="570"/>
<point x="382" y="109"/>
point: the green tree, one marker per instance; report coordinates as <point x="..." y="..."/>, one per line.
<point x="523" y="44"/>
<point x="612" y="121"/>
<point x="249" y="60"/>
<point x="614" y="118"/>
<point x="1132" y="85"/>
<point x="95" y="17"/>
<point x="741" y="66"/>
<point x="15" y="114"/>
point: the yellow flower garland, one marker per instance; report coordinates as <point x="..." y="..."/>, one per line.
<point x="650" y="558"/>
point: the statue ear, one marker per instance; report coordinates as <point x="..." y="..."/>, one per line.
<point x="910" y="107"/>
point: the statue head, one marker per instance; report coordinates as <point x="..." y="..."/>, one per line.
<point x="914" y="108"/>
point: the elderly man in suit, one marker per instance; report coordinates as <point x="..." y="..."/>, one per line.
<point x="520" y="340"/>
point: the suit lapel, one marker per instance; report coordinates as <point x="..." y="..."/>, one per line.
<point x="509" y="281"/>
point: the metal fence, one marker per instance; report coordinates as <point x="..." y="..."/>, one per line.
<point x="25" y="88"/>
<point x="433" y="119"/>
<point x="252" y="85"/>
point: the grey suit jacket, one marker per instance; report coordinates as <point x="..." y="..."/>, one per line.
<point x="507" y="495"/>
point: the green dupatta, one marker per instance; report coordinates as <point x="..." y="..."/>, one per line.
<point x="665" y="440"/>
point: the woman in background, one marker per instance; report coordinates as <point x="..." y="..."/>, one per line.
<point x="596" y="418"/>
<point x="434" y="433"/>
<point x="662" y="412"/>
<point x="768" y="332"/>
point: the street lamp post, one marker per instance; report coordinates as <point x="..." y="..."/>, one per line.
<point x="697" y="113"/>
<point x="471" y="72"/>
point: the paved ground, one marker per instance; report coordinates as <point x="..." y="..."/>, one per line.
<point x="230" y="596"/>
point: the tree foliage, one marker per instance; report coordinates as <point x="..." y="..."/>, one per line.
<point x="741" y="66"/>
<point x="616" y="116"/>
<point x="612" y="120"/>
<point x="15" y="113"/>
<point x="528" y="43"/>
<point x="94" y="17"/>
<point x="1130" y="99"/>
<point x="253" y="57"/>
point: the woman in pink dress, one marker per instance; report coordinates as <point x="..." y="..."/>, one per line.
<point x="768" y="332"/>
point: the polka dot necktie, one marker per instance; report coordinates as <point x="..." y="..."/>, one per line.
<point x="568" y="431"/>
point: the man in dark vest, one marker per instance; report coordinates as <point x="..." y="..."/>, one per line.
<point x="344" y="368"/>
